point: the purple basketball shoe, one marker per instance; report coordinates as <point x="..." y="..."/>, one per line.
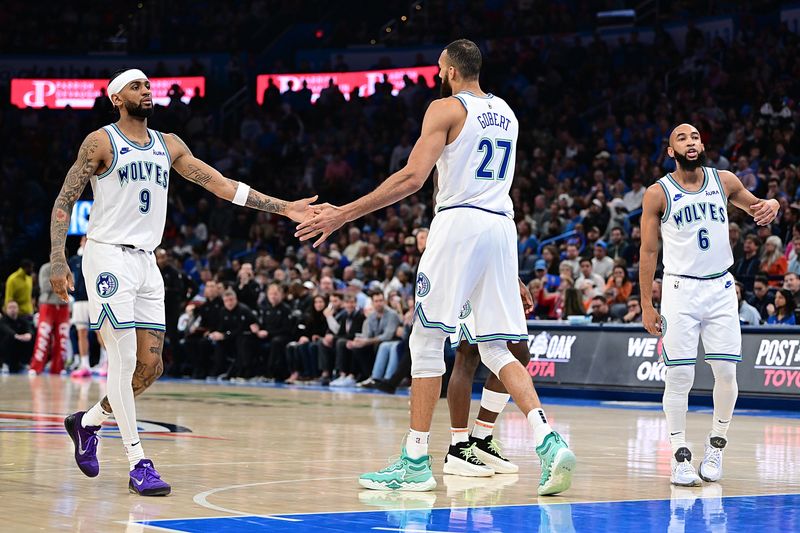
<point x="146" y="481"/>
<point x="85" y="440"/>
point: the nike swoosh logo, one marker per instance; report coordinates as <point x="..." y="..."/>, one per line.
<point x="81" y="451"/>
<point x="676" y="433"/>
<point x="138" y="482"/>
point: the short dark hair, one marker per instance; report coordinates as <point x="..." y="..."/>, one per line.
<point x="585" y="260"/>
<point x="465" y="56"/>
<point x="754" y="238"/>
<point x="600" y="298"/>
<point x="761" y="278"/>
<point x="377" y="292"/>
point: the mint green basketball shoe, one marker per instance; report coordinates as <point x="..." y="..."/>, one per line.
<point x="558" y="465"/>
<point x="403" y="473"/>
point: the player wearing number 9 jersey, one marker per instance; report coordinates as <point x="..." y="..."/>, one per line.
<point x="128" y="166"/>
<point x="690" y="206"/>
<point x="471" y="254"/>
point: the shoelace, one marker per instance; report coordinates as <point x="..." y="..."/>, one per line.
<point x="496" y="447"/>
<point x="468" y="454"/>
<point x="714" y="458"/>
<point x="685" y="467"/>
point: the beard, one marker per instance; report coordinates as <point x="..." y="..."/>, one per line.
<point x="138" y="111"/>
<point x="446" y="89"/>
<point x="688" y="164"/>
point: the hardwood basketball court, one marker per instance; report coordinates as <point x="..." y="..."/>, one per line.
<point x="247" y="458"/>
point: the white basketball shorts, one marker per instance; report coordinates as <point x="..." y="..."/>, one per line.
<point x="124" y="286"/>
<point x="471" y="255"/>
<point x="693" y="309"/>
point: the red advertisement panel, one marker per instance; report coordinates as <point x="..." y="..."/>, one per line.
<point x="58" y="93"/>
<point x="364" y="80"/>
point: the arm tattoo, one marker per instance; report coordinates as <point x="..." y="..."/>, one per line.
<point x="77" y="177"/>
<point x="262" y="202"/>
<point x="197" y="175"/>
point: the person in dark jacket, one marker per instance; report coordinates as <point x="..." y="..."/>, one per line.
<point x="233" y="348"/>
<point x="302" y="355"/>
<point x="197" y="347"/>
<point x="16" y="338"/>
<point x="351" y="322"/>
<point x="276" y="329"/>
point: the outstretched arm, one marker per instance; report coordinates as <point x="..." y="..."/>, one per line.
<point x="762" y="211"/>
<point x="86" y="164"/>
<point x="653" y="205"/>
<point x="441" y="115"/>
<point x="203" y="174"/>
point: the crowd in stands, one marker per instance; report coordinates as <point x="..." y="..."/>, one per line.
<point x="246" y="300"/>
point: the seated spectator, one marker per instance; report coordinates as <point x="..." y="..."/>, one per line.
<point x="551" y="306"/>
<point x="573" y="303"/>
<point x="351" y="322"/>
<point x="599" y="310"/>
<point x="794" y="256"/>
<point x="327" y="346"/>
<point x="526" y="242"/>
<point x="748" y="315"/>
<point x="16" y="339"/>
<point x="601" y="263"/>
<point x="379" y="327"/>
<point x="773" y="262"/>
<point x="549" y="281"/>
<point x="634" y="314"/>
<point x="588" y="274"/>
<point x="619" y="285"/>
<point x="747" y="267"/>
<point x="656" y="290"/>
<point x="791" y="282"/>
<point x="302" y="355"/>
<point x="234" y="341"/>
<point x="762" y="296"/>
<point x="276" y="329"/>
<point x="573" y="260"/>
<point x="782" y="311"/>
<point x="616" y="244"/>
<point x="197" y="348"/>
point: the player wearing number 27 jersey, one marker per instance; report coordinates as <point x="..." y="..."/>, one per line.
<point x="471" y="254"/>
<point x="699" y="298"/>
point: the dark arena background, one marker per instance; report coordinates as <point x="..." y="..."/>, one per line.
<point x="269" y="408"/>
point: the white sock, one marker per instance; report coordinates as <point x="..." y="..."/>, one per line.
<point x="541" y="428"/>
<point x="726" y="390"/>
<point x="84" y="361"/>
<point x="677" y="385"/>
<point x="482" y="429"/>
<point x="95" y="416"/>
<point x="417" y="443"/>
<point x="459" y="435"/>
<point x="135" y="453"/>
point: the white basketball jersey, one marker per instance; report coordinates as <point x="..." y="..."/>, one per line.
<point x="477" y="168"/>
<point x="694" y="228"/>
<point x="130" y="198"/>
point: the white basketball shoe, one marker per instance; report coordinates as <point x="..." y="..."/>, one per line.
<point x="711" y="467"/>
<point x="683" y="473"/>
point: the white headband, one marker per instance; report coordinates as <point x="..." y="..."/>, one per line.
<point x="119" y="83"/>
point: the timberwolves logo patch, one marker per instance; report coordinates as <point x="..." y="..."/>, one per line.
<point x="465" y="311"/>
<point x="106" y="284"/>
<point x="423" y="285"/>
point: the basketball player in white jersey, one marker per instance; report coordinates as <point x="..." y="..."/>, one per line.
<point x="699" y="297"/>
<point x="471" y="255"/>
<point x="128" y="166"/>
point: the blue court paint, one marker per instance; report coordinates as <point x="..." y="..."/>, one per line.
<point x="738" y="513"/>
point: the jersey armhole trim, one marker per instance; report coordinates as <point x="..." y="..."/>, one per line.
<point x="164" y="144"/>
<point x="461" y="99"/>
<point x="665" y="216"/>
<point x="113" y="160"/>
<point x="721" y="188"/>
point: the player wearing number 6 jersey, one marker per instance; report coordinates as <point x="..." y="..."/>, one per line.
<point x="699" y="297"/>
<point x="471" y="255"/>
<point x="129" y="167"/>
